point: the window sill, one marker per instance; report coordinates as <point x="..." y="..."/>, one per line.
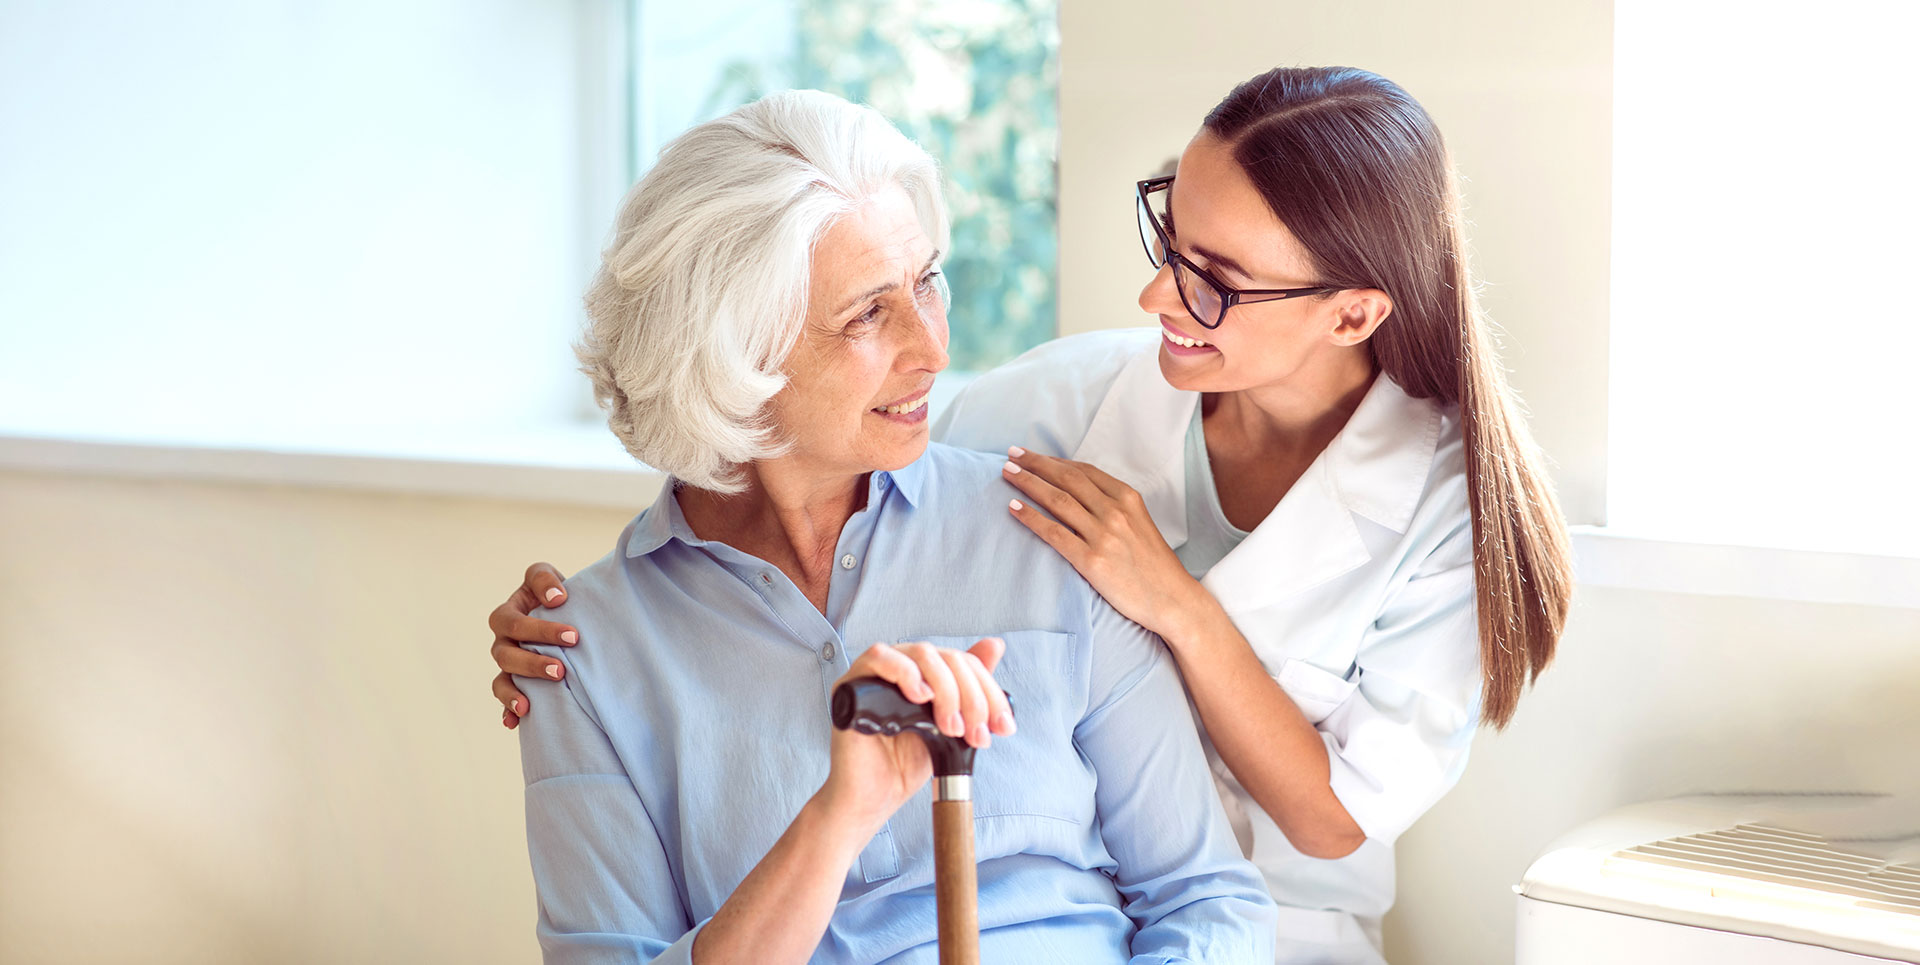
<point x="578" y="464"/>
<point x="1606" y="557"/>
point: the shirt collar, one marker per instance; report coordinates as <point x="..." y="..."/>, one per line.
<point x="663" y="521"/>
<point x="1376" y="468"/>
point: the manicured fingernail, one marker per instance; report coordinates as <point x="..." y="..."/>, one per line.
<point x="552" y="593"/>
<point x="553" y="670"/>
<point x="568" y="636"/>
<point x="1011" y="467"/>
<point x="1015" y="451"/>
<point x="1015" y="505"/>
<point x="506" y="720"/>
<point x="514" y="706"/>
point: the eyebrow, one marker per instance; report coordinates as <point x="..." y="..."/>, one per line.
<point x="883" y="289"/>
<point x="1212" y="257"/>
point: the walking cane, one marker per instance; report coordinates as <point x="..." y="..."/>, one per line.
<point x="869" y="705"/>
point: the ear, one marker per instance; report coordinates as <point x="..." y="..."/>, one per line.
<point x="1357" y="314"/>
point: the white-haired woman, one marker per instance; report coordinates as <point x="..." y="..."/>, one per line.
<point x="1311" y="480"/>
<point x="765" y="327"/>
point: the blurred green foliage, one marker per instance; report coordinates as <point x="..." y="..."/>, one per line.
<point x="976" y="83"/>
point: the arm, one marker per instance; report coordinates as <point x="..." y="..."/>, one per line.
<point x="606" y="885"/>
<point x="1186" y="886"/>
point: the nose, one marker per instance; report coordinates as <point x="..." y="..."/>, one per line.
<point x="926" y="343"/>
<point x="1160" y="297"/>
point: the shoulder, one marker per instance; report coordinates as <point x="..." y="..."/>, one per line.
<point x="602" y="605"/>
<point x="1045" y="398"/>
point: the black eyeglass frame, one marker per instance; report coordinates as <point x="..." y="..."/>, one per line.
<point x="1229" y="295"/>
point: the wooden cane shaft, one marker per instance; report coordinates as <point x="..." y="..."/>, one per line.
<point x="955" y="885"/>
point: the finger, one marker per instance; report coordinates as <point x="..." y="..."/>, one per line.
<point x="989" y="651"/>
<point x="1063" y="540"/>
<point x="1114" y="488"/>
<point x="521" y="662"/>
<point x="893" y="667"/>
<point x="987" y="654"/>
<point x="1065" y="507"/>
<point x="509" y="720"/>
<point x="946" y="693"/>
<point x="514" y="624"/>
<point x="1065" y="474"/>
<point x="973" y="696"/>
<point x="510" y="697"/>
<point x="546" y="583"/>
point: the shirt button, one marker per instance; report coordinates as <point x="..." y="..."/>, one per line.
<point x="847" y="561"/>
<point x="826" y="652"/>
<point x="766" y="578"/>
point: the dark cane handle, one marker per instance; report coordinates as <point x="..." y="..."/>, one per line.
<point x="869" y="705"/>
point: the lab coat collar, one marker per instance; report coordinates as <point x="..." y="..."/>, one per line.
<point x="663" y="521"/>
<point x="1376" y="468"/>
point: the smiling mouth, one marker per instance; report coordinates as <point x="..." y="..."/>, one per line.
<point x="1182" y="340"/>
<point x="903" y="408"/>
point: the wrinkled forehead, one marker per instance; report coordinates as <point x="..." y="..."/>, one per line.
<point x="878" y="243"/>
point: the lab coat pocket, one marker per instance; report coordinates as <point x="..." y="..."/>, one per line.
<point x="1037" y="771"/>
<point x="1315" y="691"/>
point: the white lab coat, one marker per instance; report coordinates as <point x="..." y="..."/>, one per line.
<point x="1356" y="593"/>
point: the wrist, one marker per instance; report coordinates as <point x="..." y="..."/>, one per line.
<point x="1191" y="616"/>
<point x="842" y="818"/>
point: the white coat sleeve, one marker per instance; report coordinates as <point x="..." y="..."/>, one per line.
<point x="1399" y="741"/>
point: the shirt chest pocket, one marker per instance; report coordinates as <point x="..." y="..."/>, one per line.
<point x="1037" y="772"/>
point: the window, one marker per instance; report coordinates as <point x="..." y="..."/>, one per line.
<point x="973" y="81"/>
<point x="1764" y="334"/>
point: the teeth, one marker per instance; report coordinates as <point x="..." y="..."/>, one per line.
<point x="903" y="409"/>
<point x="1186" y="342"/>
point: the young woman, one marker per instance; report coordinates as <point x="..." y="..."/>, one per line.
<point x="1312" y="482"/>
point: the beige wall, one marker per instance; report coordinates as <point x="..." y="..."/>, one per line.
<point x="251" y="724"/>
<point x="1521" y="89"/>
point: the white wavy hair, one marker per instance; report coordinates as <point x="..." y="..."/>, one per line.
<point x="701" y="295"/>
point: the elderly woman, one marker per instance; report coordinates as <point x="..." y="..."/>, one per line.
<point x="765" y="327"/>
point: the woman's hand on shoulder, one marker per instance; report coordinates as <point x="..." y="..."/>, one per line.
<point x="871" y="776"/>
<point x="1101" y="526"/>
<point x="512" y="626"/>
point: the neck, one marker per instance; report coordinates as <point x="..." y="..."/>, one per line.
<point x="1303" y="413"/>
<point x="788" y="516"/>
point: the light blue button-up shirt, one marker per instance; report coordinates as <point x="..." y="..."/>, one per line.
<point x="693" y="724"/>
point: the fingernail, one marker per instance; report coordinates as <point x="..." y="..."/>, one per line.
<point x="552" y="593"/>
<point x="955" y="725"/>
<point x="1015" y="505"/>
<point x="1003" y="723"/>
<point x="553" y="670"/>
<point x="513" y="705"/>
<point x="1015" y="451"/>
<point x="923" y="692"/>
<point x="980" y="737"/>
<point x="568" y="636"/>
<point x="1011" y="467"/>
<point x="506" y="720"/>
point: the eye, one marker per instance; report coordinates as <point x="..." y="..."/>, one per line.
<point x="865" y="318"/>
<point x="927" y="284"/>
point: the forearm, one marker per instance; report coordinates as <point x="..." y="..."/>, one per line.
<point x="781" y="909"/>
<point x="1260" y="734"/>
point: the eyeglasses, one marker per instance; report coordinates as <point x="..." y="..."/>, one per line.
<point x="1205" y="297"/>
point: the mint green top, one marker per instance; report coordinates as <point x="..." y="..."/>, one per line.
<point x="1209" y="536"/>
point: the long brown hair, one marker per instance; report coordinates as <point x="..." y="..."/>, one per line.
<point x="1357" y="171"/>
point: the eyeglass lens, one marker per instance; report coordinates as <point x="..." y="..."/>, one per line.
<point x="1199" y="296"/>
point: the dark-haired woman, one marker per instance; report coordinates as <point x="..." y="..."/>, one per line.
<point x="1311" y="480"/>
